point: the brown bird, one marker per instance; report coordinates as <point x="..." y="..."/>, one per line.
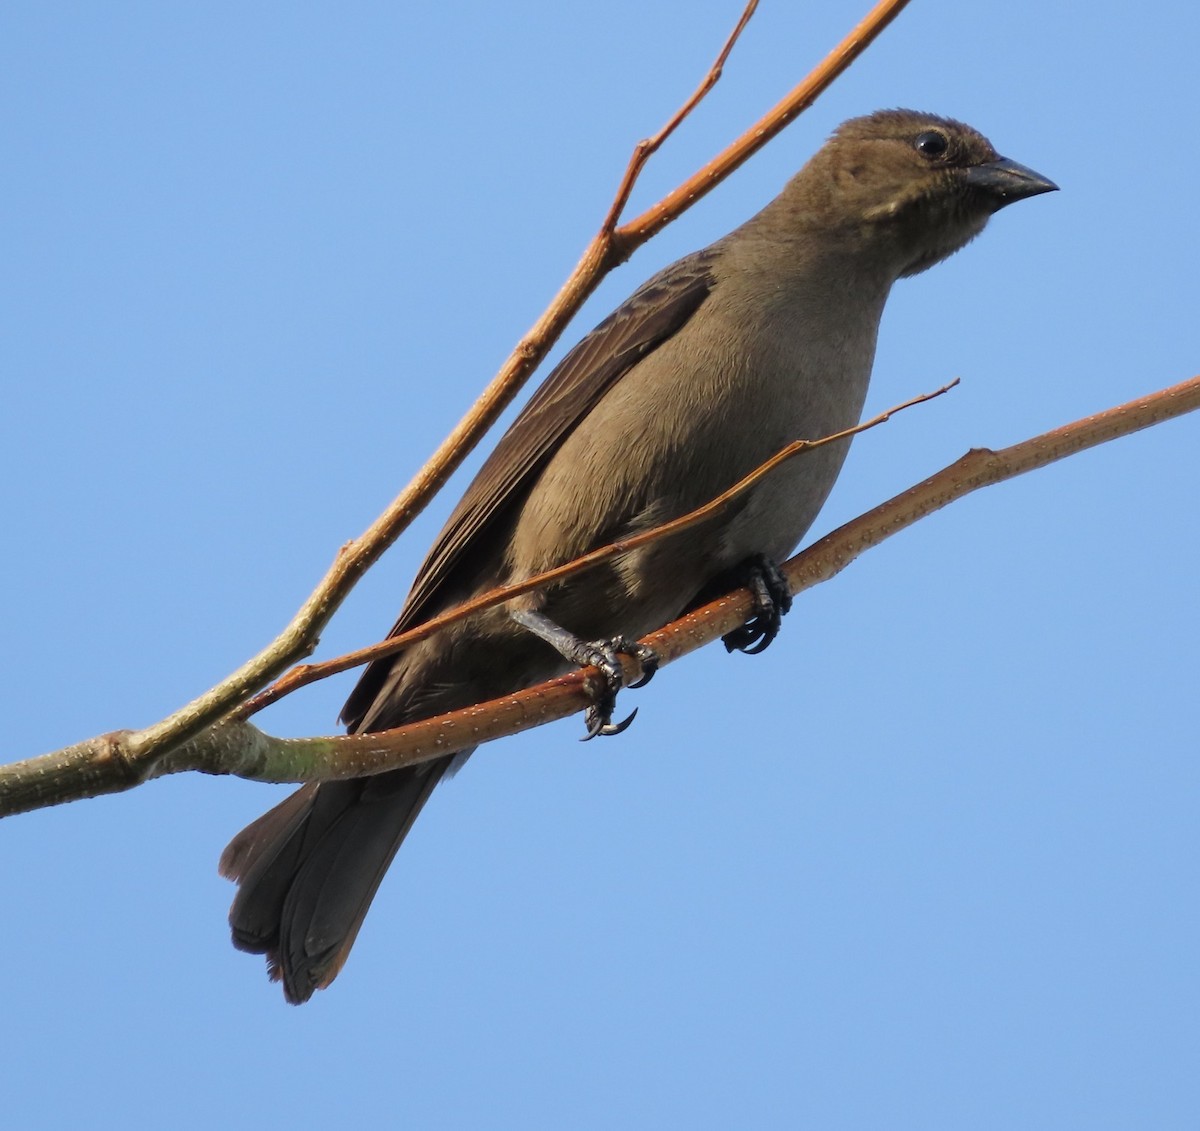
<point x="711" y="367"/>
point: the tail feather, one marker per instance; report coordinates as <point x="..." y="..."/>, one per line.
<point x="262" y="859"/>
<point x="308" y="869"/>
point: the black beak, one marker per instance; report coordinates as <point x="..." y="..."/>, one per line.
<point x="1005" y="181"/>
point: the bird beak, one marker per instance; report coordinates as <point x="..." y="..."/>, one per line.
<point x="1006" y="181"/>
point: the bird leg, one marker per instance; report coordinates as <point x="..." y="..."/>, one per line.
<point x="605" y="656"/>
<point x="772" y="599"/>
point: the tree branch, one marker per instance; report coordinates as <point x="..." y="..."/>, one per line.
<point x="607" y="249"/>
<point x="310" y="673"/>
<point x="794" y="103"/>
<point x="648" y="146"/>
<point x="108" y="765"/>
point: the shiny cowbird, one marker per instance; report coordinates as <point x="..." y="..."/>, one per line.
<point x="708" y="369"/>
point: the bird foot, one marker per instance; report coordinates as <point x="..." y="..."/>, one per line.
<point x="605" y="656"/>
<point x="772" y="600"/>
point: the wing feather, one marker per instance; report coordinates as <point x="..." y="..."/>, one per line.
<point x="651" y="315"/>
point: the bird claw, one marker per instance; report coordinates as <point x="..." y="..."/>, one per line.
<point x="604" y="655"/>
<point x="597" y="726"/>
<point x="647" y="659"/>
<point x="772" y="600"/>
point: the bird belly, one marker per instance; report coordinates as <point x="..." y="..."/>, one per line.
<point x="659" y="447"/>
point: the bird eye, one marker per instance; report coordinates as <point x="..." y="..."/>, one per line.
<point x="931" y="143"/>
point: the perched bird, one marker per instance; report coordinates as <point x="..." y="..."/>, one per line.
<point x="707" y="370"/>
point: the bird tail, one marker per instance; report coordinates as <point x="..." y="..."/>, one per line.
<point x="308" y="869"/>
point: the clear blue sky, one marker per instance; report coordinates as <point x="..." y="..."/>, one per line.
<point x="931" y="862"/>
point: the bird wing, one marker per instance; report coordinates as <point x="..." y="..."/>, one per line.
<point x="652" y="314"/>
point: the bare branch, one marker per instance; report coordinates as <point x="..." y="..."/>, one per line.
<point x="106" y="764"/>
<point x="606" y="250"/>
<point x="650" y="145"/>
<point x="799" y="99"/>
<point x="310" y="673"/>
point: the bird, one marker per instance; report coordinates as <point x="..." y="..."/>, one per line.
<point x="712" y="366"/>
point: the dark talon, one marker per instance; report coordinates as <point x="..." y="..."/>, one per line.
<point x="753" y="649"/>
<point x="595" y="725"/>
<point x="647" y="658"/>
<point x="772" y="600"/>
<point x="605" y="656"/>
<point x="746" y="639"/>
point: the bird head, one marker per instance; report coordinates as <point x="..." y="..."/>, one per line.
<point x="913" y="187"/>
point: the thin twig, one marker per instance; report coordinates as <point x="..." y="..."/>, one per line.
<point x="650" y="145"/>
<point x="604" y="252"/>
<point x="795" y="102"/>
<point x="559" y="698"/>
<point x="310" y="673"/>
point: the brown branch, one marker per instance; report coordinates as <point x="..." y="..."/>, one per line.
<point x="105" y="764"/>
<point x="606" y="250"/>
<point x="305" y="674"/>
<point x="648" y="146"/>
<point x="794" y="103"/>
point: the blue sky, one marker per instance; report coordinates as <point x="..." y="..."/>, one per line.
<point x="930" y="862"/>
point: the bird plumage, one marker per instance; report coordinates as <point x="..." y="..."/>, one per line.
<point x="708" y="369"/>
